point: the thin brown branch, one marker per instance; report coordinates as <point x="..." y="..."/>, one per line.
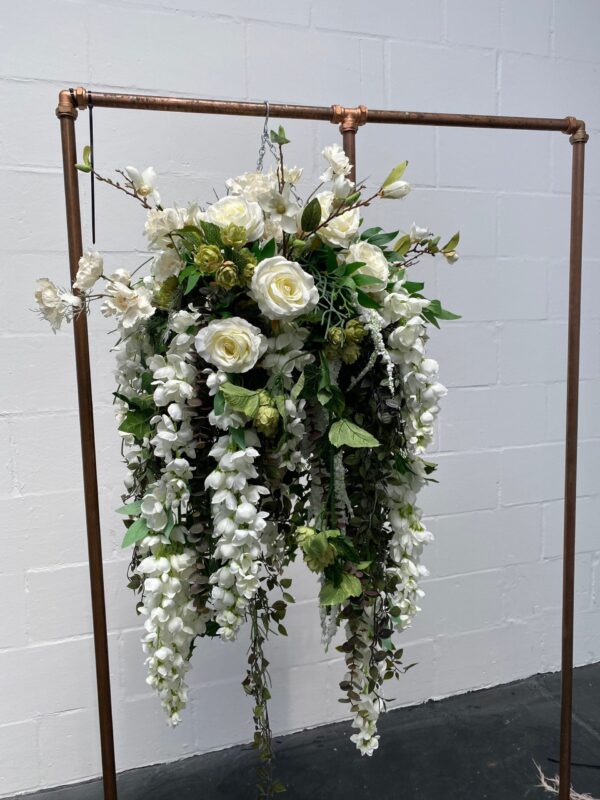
<point x="127" y="190"/>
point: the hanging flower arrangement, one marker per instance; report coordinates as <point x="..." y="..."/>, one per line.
<point x="275" y="401"/>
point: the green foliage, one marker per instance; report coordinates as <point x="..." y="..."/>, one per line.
<point x="131" y="509"/>
<point x="451" y="244"/>
<point x="241" y="399"/>
<point x="137" y="423"/>
<point x="344" y="432"/>
<point x="278" y="136"/>
<point x="311" y="215"/>
<point x="395" y="174"/>
<point x="135" y="532"/>
<point x="86" y="164"/>
<point x="333" y="595"/>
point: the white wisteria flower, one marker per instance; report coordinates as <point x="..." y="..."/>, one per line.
<point x="54" y="304"/>
<point x="342" y="229"/>
<point x="236" y="210"/>
<point x="282" y="289"/>
<point x="89" y="270"/>
<point x="400" y="305"/>
<point x="130" y="304"/>
<point x="338" y="161"/>
<point x="232" y="344"/>
<point x="144" y="183"/>
<point x="375" y="264"/>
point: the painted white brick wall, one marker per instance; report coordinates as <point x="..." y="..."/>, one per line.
<point x="492" y="608"/>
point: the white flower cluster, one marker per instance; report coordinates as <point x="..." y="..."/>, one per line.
<point x="238" y="524"/>
<point x="172" y="620"/>
<point x="368" y="706"/>
<point x="54" y="304"/>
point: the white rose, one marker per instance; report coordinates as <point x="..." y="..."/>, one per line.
<point x="236" y="210"/>
<point x="132" y="305"/>
<point x="375" y="264"/>
<point x="161" y="222"/>
<point x="395" y="190"/>
<point x="166" y="265"/>
<point x="251" y="184"/>
<point x="338" y="161"/>
<point x="90" y="270"/>
<point x="232" y="344"/>
<point x="282" y="289"/>
<point x="398" y="305"/>
<point x="340" y="231"/>
<point x="55" y="305"/>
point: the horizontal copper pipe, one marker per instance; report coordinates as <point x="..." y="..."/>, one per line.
<point x="333" y="113"/>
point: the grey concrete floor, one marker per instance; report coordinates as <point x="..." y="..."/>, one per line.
<point x="479" y="746"/>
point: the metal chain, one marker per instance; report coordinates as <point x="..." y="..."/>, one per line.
<point x="265" y="141"/>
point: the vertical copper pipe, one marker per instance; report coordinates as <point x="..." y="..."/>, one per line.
<point x="90" y="481"/>
<point x="349" y="145"/>
<point x="578" y="141"/>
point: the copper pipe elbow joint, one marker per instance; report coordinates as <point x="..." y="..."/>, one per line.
<point x="349" y="118"/>
<point x="69" y="100"/>
<point x="575" y="130"/>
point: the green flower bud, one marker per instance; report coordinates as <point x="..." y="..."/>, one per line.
<point x="164" y="296"/>
<point x="227" y="275"/>
<point x="248" y="271"/>
<point x="208" y="257"/>
<point x="304" y="534"/>
<point x="350" y="353"/>
<point x="267" y="420"/>
<point x="355" y="331"/>
<point x="265" y="399"/>
<point x="234" y="236"/>
<point x="248" y="256"/>
<point x="336" y="337"/>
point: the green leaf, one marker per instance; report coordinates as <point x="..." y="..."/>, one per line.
<point x="86" y="165"/>
<point x="402" y="246"/>
<point x="367" y="280"/>
<point x="413" y="286"/>
<point x="83" y="168"/>
<point x="370" y="232"/>
<point x="297" y="388"/>
<point x="131" y="509"/>
<point x="278" y="136"/>
<point x="191" y="282"/>
<point x="137" y="423"/>
<point x="435" y="307"/>
<point x="332" y="595"/>
<point x="451" y="243"/>
<point x="212" y="233"/>
<point x="366" y="301"/>
<point x="279" y="400"/>
<point x="381" y="239"/>
<point x="135" y="532"/>
<point x="219" y="403"/>
<point x="239" y="437"/>
<point x="311" y="216"/>
<point x="344" y="432"/>
<point x="268" y="251"/>
<point x="395" y="174"/>
<point x="241" y="399"/>
<point x="169" y="526"/>
<point x="352" y="267"/>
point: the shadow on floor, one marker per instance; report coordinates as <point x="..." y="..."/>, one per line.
<point x="479" y="746"/>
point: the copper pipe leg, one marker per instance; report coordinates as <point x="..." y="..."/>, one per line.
<point x="578" y="140"/>
<point x="67" y="116"/>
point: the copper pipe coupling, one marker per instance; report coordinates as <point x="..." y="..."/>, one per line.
<point x="350" y="119"/>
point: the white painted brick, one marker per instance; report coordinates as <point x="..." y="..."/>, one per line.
<point x="495" y="416"/>
<point x="558" y="291"/>
<point x="527" y="88"/>
<point x="448" y="601"/>
<point x="589" y="410"/>
<point x="113" y="60"/>
<point x="34" y="189"/>
<point x="19" y="765"/>
<point x="494" y="159"/>
<point x="481" y="540"/>
<point x="76" y="732"/>
<point x="466" y="359"/>
<point x="574" y="34"/>
<point x="588" y="526"/>
<point x="268" y="10"/>
<point x="467" y="482"/>
<point x="469" y="23"/>
<point x="533" y="225"/>
<point x="457" y="79"/>
<point x="526" y="26"/>
<point x="13" y="625"/>
<point x="35" y="144"/>
<point x="491" y="296"/>
<point x="390" y="20"/>
<point x="46" y="56"/>
<point x="532" y="474"/>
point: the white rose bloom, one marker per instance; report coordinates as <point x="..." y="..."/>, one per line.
<point x="166" y="265"/>
<point x="251" y="184"/>
<point x="398" y="305"/>
<point x="375" y="264"/>
<point x="282" y="289"/>
<point x="342" y="187"/>
<point x="395" y="190"/>
<point x="236" y="210"/>
<point x="340" y="231"/>
<point x="338" y="161"/>
<point x="132" y="305"/>
<point x="161" y="222"/>
<point x="182" y="320"/>
<point x="90" y="270"/>
<point x="232" y="344"/>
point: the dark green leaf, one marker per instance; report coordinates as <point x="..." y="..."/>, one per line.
<point x="278" y="136"/>
<point x="382" y="238"/>
<point x="137" y="423"/>
<point x="239" y="437"/>
<point x="311" y="216"/>
<point x="367" y="280"/>
<point x="365" y="300"/>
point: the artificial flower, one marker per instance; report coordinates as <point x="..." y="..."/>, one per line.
<point x="232" y="344"/>
<point x="282" y="289"/>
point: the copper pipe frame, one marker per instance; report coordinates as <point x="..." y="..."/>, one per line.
<point x="349" y="120"/>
